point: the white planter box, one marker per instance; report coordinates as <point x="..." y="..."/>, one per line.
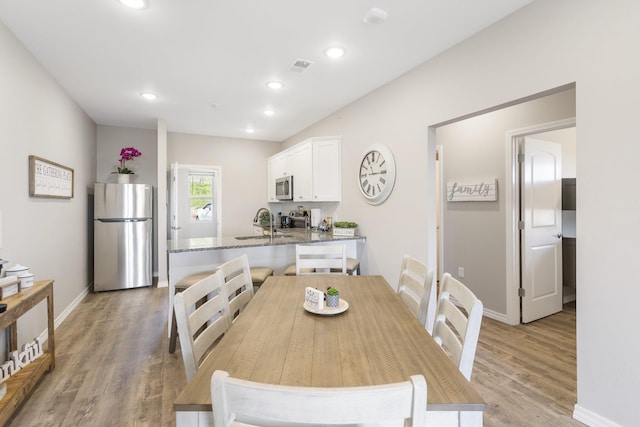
<point x="346" y="232"/>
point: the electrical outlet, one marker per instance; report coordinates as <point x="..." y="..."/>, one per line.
<point x="461" y="272"/>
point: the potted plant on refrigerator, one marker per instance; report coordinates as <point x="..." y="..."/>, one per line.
<point x="124" y="173"/>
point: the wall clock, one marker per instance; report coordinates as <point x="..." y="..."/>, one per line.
<point x="377" y="174"/>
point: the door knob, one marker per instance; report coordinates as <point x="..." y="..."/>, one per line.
<point x="559" y="235"/>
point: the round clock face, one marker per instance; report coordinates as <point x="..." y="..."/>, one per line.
<point x="377" y="174"/>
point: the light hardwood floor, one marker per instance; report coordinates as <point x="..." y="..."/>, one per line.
<point x="113" y="368"/>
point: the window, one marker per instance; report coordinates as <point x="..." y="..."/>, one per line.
<point x="201" y="196"/>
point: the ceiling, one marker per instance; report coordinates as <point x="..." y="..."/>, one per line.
<point x="209" y="60"/>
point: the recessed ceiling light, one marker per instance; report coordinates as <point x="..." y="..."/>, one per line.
<point x="149" y="96"/>
<point x="375" y="15"/>
<point x="249" y="130"/>
<point x="269" y="112"/>
<point x="135" y="4"/>
<point x="275" y="85"/>
<point x="335" y="52"/>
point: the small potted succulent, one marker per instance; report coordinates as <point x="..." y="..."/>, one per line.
<point x="332" y="297"/>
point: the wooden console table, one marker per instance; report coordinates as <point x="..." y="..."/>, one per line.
<point x="22" y="382"/>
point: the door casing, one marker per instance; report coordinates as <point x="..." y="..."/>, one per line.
<point x="512" y="200"/>
<point x="174" y="220"/>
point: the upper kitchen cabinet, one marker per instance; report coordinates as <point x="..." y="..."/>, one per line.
<point x="302" y="165"/>
<point x="315" y="165"/>
<point x="278" y="166"/>
<point x="327" y="170"/>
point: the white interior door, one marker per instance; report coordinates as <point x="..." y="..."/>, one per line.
<point x="195" y="213"/>
<point x="541" y="216"/>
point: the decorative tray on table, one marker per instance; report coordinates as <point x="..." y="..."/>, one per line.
<point x="328" y="311"/>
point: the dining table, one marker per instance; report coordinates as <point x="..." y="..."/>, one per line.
<point x="371" y="339"/>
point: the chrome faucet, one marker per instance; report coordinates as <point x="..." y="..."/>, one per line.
<point x="256" y="220"/>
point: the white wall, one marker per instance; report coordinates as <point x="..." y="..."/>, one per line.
<point x="546" y="45"/>
<point x="51" y="236"/>
<point x="244" y="173"/>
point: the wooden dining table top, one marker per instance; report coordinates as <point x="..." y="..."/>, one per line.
<point x="377" y="340"/>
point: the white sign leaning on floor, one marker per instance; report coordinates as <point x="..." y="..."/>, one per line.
<point x="30" y="352"/>
<point x="473" y="190"/>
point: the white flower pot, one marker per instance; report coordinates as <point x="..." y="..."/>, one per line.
<point x="333" y="300"/>
<point x="124" y="178"/>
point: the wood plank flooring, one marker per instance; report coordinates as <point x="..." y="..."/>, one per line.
<point x="527" y="373"/>
<point x="113" y="368"/>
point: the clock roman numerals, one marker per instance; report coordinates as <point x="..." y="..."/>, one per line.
<point x="377" y="174"/>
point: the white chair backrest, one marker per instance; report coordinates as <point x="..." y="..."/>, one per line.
<point x="202" y="316"/>
<point x="321" y="258"/>
<point x="235" y="400"/>
<point x="454" y="330"/>
<point x="236" y="274"/>
<point x="415" y="288"/>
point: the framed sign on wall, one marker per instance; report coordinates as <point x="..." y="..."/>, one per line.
<point x="49" y="179"/>
<point x="473" y="190"/>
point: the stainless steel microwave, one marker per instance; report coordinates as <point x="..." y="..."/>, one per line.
<point x="284" y="188"/>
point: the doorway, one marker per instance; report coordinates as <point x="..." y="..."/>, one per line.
<point x="477" y="241"/>
<point x="195" y="201"/>
<point x="521" y="308"/>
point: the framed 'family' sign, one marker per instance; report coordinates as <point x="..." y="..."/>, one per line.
<point x="473" y="190"/>
<point x="49" y="179"/>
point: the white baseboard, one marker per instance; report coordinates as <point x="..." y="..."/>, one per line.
<point x="66" y="312"/>
<point x="591" y="418"/>
<point x="163" y="284"/>
<point x="495" y="315"/>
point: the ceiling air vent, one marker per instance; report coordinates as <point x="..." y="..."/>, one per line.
<point x="300" y="65"/>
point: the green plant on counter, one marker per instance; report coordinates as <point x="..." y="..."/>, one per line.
<point x="345" y="224"/>
<point x="332" y="291"/>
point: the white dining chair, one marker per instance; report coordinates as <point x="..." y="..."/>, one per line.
<point x="324" y="259"/>
<point x="203" y="316"/>
<point x="415" y="288"/>
<point x="455" y="330"/>
<point x="237" y="401"/>
<point x="236" y="275"/>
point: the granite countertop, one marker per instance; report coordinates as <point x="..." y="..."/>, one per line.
<point x="282" y="237"/>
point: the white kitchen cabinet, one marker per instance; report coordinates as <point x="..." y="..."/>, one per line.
<point x="278" y="165"/>
<point x="315" y="164"/>
<point x="327" y="170"/>
<point x="301" y="161"/>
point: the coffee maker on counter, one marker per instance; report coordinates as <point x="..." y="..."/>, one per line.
<point x="298" y="218"/>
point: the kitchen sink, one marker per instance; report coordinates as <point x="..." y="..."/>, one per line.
<point x="257" y="236"/>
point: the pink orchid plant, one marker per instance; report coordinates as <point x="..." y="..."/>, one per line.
<point x="127" y="153"/>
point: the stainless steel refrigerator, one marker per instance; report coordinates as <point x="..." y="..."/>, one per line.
<point x="123" y="223"/>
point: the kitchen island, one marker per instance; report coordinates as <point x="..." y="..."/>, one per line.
<point x="190" y="256"/>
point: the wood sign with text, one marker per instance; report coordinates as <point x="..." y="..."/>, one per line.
<point x="473" y="190"/>
<point x="49" y="179"/>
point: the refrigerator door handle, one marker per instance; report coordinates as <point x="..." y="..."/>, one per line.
<point x="122" y="219"/>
